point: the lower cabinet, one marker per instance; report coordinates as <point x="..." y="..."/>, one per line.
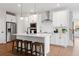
<point x="56" y="39"/>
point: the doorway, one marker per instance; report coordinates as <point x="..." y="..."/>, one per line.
<point x="10" y="29"/>
<point x="76" y="33"/>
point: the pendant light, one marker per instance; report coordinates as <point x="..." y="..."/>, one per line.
<point x="58" y="5"/>
<point x="21" y="16"/>
<point x="33" y="11"/>
<point x="35" y="8"/>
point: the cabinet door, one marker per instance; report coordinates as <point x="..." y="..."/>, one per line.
<point x="60" y="18"/>
<point x="10" y="18"/>
<point x="13" y="19"/>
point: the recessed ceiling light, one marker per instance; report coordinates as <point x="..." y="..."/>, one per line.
<point x="19" y="5"/>
<point x="58" y="5"/>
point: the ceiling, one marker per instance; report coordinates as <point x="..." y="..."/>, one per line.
<point x="40" y="7"/>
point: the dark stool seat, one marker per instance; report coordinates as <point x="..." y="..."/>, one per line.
<point x="38" y="49"/>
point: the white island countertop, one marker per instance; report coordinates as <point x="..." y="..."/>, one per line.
<point x="36" y="35"/>
<point x="46" y="39"/>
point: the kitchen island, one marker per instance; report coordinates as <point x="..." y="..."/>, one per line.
<point x="44" y="38"/>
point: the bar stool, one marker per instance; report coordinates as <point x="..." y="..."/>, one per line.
<point x="13" y="45"/>
<point x="28" y="47"/>
<point x="24" y="47"/>
<point x="17" y="45"/>
<point x="38" y="49"/>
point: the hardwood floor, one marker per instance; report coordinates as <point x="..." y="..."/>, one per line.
<point x="5" y="50"/>
<point x="61" y="51"/>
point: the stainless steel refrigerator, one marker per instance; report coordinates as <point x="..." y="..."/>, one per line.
<point x="10" y="29"/>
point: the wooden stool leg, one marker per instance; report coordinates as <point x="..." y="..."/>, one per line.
<point x="43" y="49"/>
<point x="17" y="43"/>
<point x="40" y="51"/>
<point x="12" y="46"/>
<point x="25" y="46"/>
<point x="36" y="50"/>
<point x="21" y="47"/>
<point x="25" y="49"/>
<point x="31" y="47"/>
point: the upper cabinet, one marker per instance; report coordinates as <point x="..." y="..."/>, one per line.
<point x="10" y="18"/>
<point x="61" y="18"/>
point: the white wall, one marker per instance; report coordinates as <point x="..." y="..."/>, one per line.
<point x="2" y="26"/>
<point x="75" y="15"/>
<point x="20" y="25"/>
<point x="27" y="24"/>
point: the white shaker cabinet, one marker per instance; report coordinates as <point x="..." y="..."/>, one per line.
<point x="60" y="17"/>
<point x="10" y="18"/>
<point x="60" y="20"/>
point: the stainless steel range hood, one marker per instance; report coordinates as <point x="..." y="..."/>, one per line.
<point x="48" y="17"/>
